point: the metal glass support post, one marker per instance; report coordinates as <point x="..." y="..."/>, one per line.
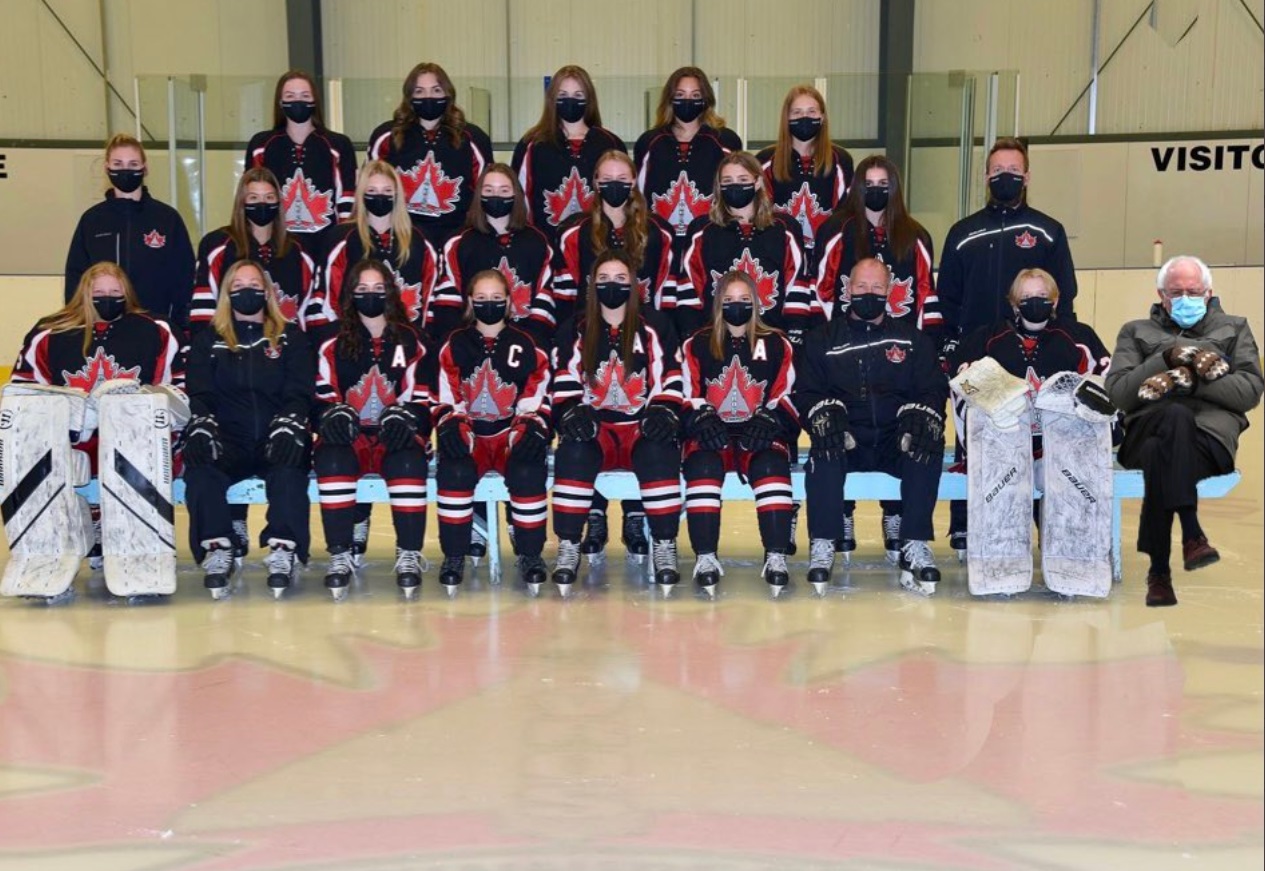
<point x="171" y="139"/>
<point x="740" y="96"/>
<point x="966" y="147"/>
<point x="990" y="113"/>
<point x="136" y="101"/>
<point x="1093" y="61"/>
<point x="200" y="193"/>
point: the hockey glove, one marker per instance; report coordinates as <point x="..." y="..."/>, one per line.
<point x="660" y="423"/>
<point x="529" y="439"/>
<point x="287" y="440"/>
<point x="1091" y="399"/>
<point x="708" y="429"/>
<point x="1208" y="365"/>
<point x="760" y="432"/>
<point x="455" y="437"/>
<point x="339" y="424"/>
<point x="1175" y="382"/>
<point x="828" y="429"/>
<point x="948" y="349"/>
<point x="578" y="424"/>
<point x="397" y="428"/>
<point x="202" y="445"/>
<point x="921" y="430"/>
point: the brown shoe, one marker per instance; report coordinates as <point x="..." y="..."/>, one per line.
<point x="1159" y="590"/>
<point x="1197" y="553"/>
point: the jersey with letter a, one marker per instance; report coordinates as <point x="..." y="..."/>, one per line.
<point x="746" y="377"/>
<point x="390" y="370"/>
<point x="557" y="178"/>
<point x="491" y="380"/>
<point x="318" y="178"/>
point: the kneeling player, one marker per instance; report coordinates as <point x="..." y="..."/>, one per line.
<point x="374" y="418"/>
<point x="737" y="376"/>
<point x="490" y="415"/>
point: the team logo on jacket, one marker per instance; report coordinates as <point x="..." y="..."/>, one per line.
<point x="614" y="390"/>
<point x="900" y="297"/>
<point x="1026" y="240"/>
<point x="571" y="197"/>
<point x="97" y="368"/>
<point x="734" y="393"/>
<point x="427" y="191"/>
<point x="154" y="239"/>
<point x="370" y="395"/>
<point x="765" y="282"/>
<point x="520" y="293"/>
<point x="681" y="203"/>
<point x="487" y="397"/>
<point x="306" y="209"/>
<point x="896" y="354"/>
<point x="804" y="209"/>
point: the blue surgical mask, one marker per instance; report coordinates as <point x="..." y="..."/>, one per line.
<point x="1188" y="311"/>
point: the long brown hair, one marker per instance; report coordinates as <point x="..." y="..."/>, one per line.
<point x="549" y="129"/>
<point x="279" y="117"/>
<point x="756" y="327"/>
<point x="239" y="227"/>
<point x="349" y="325"/>
<point x="453" y="121"/>
<point x="401" y="223"/>
<point x="902" y="230"/>
<point x="719" y="212"/>
<point x="636" y="214"/>
<point x="478" y="219"/>
<point x="223" y="320"/>
<point x="784" y="152"/>
<point x="594" y="324"/>
<point x="80" y="313"/>
<point x="663" y="116"/>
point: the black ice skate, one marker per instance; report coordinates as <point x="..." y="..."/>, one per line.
<point x="593" y="545"/>
<point x="707" y="573"/>
<point x="918" y="570"/>
<point x="281" y="564"/>
<point x="663" y="562"/>
<point x="218" y="566"/>
<point x="821" y="560"/>
<point x="567" y="566"/>
<point x="635" y="536"/>
<point x="338" y="578"/>
<point x="775" y="572"/>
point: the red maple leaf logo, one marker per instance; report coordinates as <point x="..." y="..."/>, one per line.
<point x="571" y="197"/>
<point x="681" y="203"/>
<point x="427" y="191"/>
<point x="611" y="390"/>
<point x="370" y="395"/>
<point x="896" y="354"/>
<point x="765" y="282"/>
<point x="734" y="393"/>
<point x="644" y="284"/>
<point x="306" y="209"/>
<point x="97" y="368"/>
<point x="520" y="292"/>
<point x="154" y="239"/>
<point x="1026" y="240"/>
<point x="806" y="212"/>
<point x="900" y="297"/>
<point x="487" y="396"/>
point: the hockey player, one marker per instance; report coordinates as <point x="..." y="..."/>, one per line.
<point x="555" y="159"/>
<point x="373" y="417"/>
<point x="737" y="375"/>
<point x="439" y="154"/>
<point x="872" y="395"/>
<point x="145" y="237"/>
<point x="250" y="379"/>
<point x="491" y="413"/>
<point x="315" y="165"/>
<point x="616" y="404"/>
<point x="256" y="231"/>
<point x="807" y="174"/>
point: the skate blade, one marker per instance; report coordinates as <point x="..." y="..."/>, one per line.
<point x="667" y="589"/>
<point x="776" y="590"/>
<point x="961" y="555"/>
<point x="638" y="558"/>
<point x="218" y="593"/>
<point x="922" y="588"/>
<point x="893" y="557"/>
<point x="339" y="594"/>
<point x="564" y="590"/>
<point x="533" y="590"/>
<point x="847" y="557"/>
<point x="410" y="594"/>
<point x="278" y="592"/>
<point x="819" y="587"/>
<point x="710" y="590"/>
<point x="65" y="597"/>
<point x="596" y="559"/>
<point x="451" y="590"/>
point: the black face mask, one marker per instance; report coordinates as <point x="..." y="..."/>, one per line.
<point x="614" y="193"/>
<point x="430" y="108"/>
<point x="126" y="180"/>
<point x="737" y="196"/>
<point x="490" y="311"/>
<point x="612" y="294"/>
<point x="804" y="129"/>
<point x="379" y="205"/>
<point x="371" y="305"/>
<point x="497" y="207"/>
<point x="688" y="110"/>
<point x="109" y="308"/>
<point x="868" y="306"/>
<point x="571" y="109"/>
<point x="261" y="214"/>
<point x="736" y="314"/>
<point x="298" y="112"/>
<point x="876" y="198"/>
<point x="247" y="300"/>
<point x="1006" y="187"/>
<point x="1036" y="309"/>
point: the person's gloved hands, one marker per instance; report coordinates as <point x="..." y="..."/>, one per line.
<point x="397" y="427"/>
<point x="202" y="445"/>
<point x="708" y="429"/>
<point x="921" y="430"/>
<point x="578" y="424"/>
<point x="828" y="429"/>
<point x="529" y="438"/>
<point x="1208" y="365"/>
<point x="660" y="423"/>
<point x="1176" y="382"/>
<point x="760" y="431"/>
<point x="339" y="424"/>
<point x="455" y="436"/>
<point x="287" y="440"/>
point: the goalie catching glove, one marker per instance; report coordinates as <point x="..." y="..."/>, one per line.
<point x="921" y="430"/>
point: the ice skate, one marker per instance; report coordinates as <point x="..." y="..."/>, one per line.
<point x="634" y="536"/>
<point x="957" y="541"/>
<point x="567" y="566"/>
<point x="338" y="578"/>
<point x="821" y="560"/>
<point x="775" y="572"/>
<point x="281" y="564"/>
<point x="409" y="566"/>
<point x="848" y="543"/>
<point x="96" y="562"/>
<point x="593" y="545"/>
<point x="791" y="547"/>
<point x="241" y="541"/>
<point x="918" y="570"/>
<point x="707" y="573"/>
<point x="451" y="573"/>
<point x="359" y="542"/>
<point x="663" y="562"/>
<point x="533" y="571"/>
<point x="891" y="537"/>
<point x="218" y="567"/>
<point x="478" y="545"/>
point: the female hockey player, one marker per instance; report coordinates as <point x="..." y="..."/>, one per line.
<point x="439" y="154"/>
<point x="249" y="378"/>
<point x="808" y="175"/>
<point x="491" y="414"/>
<point x="315" y="165"/>
<point x="373" y="417"/>
<point x="616" y="403"/>
<point x="145" y="237"/>
<point x="555" y="159"/>
<point x="737" y="376"/>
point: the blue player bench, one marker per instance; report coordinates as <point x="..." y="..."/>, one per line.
<point x="861" y="486"/>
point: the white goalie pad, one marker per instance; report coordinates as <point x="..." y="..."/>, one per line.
<point x="80" y="424"/>
<point x="986" y="386"/>
<point x="177" y="403"/>
<point x="999" y="504"/>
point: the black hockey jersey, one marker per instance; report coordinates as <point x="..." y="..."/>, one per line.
<point x="293" y="275"/>
<point x="439" y="179"/>
<point x="318" y="178"/>
<point x="556" y="179"/>
<point x="808" y="198"/>
<point x="491" y="380"/>
<point x="912" y="296"/>
<point x="1061" y="346"/>
<point x="133" y="346"/>
<point x="677" y="177"/>
<point x="618" y="394"/>
<point x="388" y="371"/>
<point x="573" y="263"/>
<point x="743" y="380"/>
<point x="524" y="257"/>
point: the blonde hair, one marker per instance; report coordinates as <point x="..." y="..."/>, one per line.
<point x="719" y="212"/>
<point x="80" y="313"/>
<point x="1016" y="286"/>
<point x="401" y="223"/>
<point x="223" y="321"/>
<point x="784" y="151"/>
<point x="122" y="140"/>
<point x="756" y="327"/>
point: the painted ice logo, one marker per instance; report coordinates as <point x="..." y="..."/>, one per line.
<point x="487" y="397"/>
<point x="612" y="390"/>
<point x="520" y="292"/>
<point x="805" y="210"/>
<point x="427" y="191"/>
<point x="154" y="239"/>
<point x="571" y="197"/>
<point x="306" y="209"/>
<point x="681" y="203"/>
<point x="900" y="298"/>
<point x="96" y="369"/>
<point x="734" y="393"/>
<point x="1026" y="240"/>
<point x="896" y="354"/>
<point x="765" y="282"/>
<point x="372" y="394"/>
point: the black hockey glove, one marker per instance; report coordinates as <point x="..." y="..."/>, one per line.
<point x="397" y="428"/>
<point x="529" y="439"/>
<point x="339" y="424"/>
<point x="578" y="424"/>
<point x="455" y="437"/>
<point x="660" y="423"/>
<point x="202" y="445"/>
<point x="828" y="429"/>
<point x="708" y="429"/>
<point x="921" y="432"/>
<point x="948" y="348"/>
<point x="1208" y="365"/>
<point x="287" y="440"/>
<point x="761" y="431"/>
<point x="1093" y="397"/>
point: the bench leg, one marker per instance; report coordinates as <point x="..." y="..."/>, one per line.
<point x="1117" y="570"/>
<point x="494" y="542"/>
